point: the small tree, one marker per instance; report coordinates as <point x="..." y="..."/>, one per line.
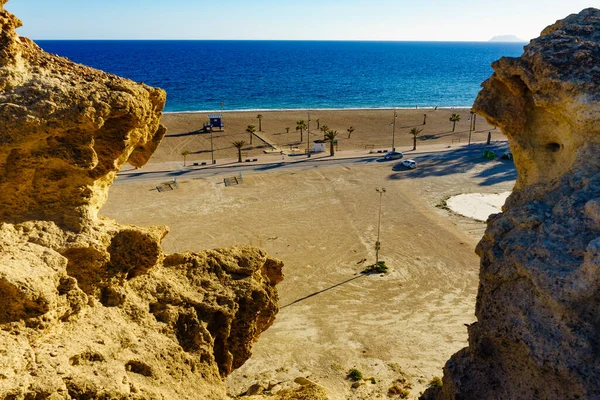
<point x="300" y="126"/>
<point x="415" y="132"/>
<point x="350" y="130"/>
<point x="325" y="129"/>
<point x="454" y="118"/>
<point x="185" y="153"/>
<point x="259" y="116"/>
<point x="251" y="129"/>
<point x="239" y="144"/>
<point x="330" y="135"/>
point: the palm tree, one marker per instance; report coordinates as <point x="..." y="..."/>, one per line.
<point x="185" y="153"/>
<point x="350" y="130"/>
<point x="239" y="144"/>
<point x="251" y="129"/>
<point x="325" y="129"/>
<point x="454" y="118"/>
<point x="415" y="132"/>
<point x="330" y="135"/>
<point x="300" y="126"/>
<point x="259" y="116"/>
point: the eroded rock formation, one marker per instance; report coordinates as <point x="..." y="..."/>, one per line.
<point x="66" y="129"/>
<point x="90" y="309"/>
<point x="538" y="306"/>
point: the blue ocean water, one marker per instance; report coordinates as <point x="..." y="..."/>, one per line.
<point x="244" y="75"/>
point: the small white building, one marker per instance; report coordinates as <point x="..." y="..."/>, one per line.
<point x="319" y="146"/>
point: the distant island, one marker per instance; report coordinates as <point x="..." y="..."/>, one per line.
<point x="506" y="38"/>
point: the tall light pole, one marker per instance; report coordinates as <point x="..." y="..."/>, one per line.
<point x="308" y="135"/>
<point x="212" y="151"/>
<point x="470" y="126"/>
<point x="378" y="243"/>
<point x="394" y="130"/>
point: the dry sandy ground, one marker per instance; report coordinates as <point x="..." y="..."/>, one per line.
<point x="322" y="223"/>
<point x="373" y="129"/>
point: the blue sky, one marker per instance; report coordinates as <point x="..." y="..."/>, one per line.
<point x="457" y="20"/>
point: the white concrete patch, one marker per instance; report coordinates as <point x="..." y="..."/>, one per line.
<point x="478" y="206"/>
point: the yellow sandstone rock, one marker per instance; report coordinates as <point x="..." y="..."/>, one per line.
<point x="538" y="306"/>
<point x="90" y="309"/>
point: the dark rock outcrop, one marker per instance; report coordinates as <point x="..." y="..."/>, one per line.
<point x="538" y="306"/>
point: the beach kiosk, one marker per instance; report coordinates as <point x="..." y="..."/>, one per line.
<point x="319" y="146"/>
<point x="216" y="121"/>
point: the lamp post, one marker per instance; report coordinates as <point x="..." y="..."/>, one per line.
<point x="308" y="134"/>
<point x="378" y="243"/>
<point x="212" y="151"/>
<point x="470" y="126"/>
<point x="394" y="130"/>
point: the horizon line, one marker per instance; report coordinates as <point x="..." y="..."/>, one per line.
<point x="278" y="40"/>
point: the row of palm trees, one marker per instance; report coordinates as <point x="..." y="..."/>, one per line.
<point x="328" y="134"/>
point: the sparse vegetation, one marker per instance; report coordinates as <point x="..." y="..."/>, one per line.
<point x="350" y="130"/>
<point x="300" y="126"/>
<point x="379" y="268"/>
<point x="454" y="118"/>
<point x="330" y="136"/>
<point x="185" y="153"/>
<point x="398" y="390"/>
<point x="435" y="382"/>
<point x="239" y="144"/>
<point x="415" y="132"/>
<point x="251" y="129"/>
<point x="355" y="375"/>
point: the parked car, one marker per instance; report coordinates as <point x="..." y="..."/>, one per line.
<point x="393" y="155"/>
<point x="412" y="164"/>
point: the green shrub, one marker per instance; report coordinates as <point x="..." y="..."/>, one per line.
<point x="436" y="382"/>
<point x="355" y="375"/>
<point x="379" y="268"/>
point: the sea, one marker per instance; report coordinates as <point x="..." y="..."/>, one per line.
<point x="284" y="75"/>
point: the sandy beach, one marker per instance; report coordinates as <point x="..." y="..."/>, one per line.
<point x="323" y="223"/>
<point x="372" y="130"/>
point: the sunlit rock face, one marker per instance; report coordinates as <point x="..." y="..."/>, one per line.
<point x="90" y="309"/>
<point x="65" y="130"/>
<point x="538" y="306"/>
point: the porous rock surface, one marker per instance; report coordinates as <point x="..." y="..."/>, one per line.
<point x="65" y="131"/>
<point x="90" y="309"/>
<point x="538" y="306"/>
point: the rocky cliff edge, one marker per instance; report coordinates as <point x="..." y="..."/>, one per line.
<point x="90" y="309"/>
<point x="538" y="306"/>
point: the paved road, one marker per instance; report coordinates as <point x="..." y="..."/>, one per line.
<point x="302" y="163"/>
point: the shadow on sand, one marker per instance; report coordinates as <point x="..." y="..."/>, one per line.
<point x="460" y="161"/>
<point x="324" y="290"/>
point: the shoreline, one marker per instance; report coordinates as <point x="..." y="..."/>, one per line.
<point x="432" y="108"/>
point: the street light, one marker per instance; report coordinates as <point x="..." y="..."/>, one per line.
<point x="212" y="151"/>
<point x="394" y="130"/>
<point x="308" y="135"/>
<point x="378" y="243"/>
<point x="471" y="126"/>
